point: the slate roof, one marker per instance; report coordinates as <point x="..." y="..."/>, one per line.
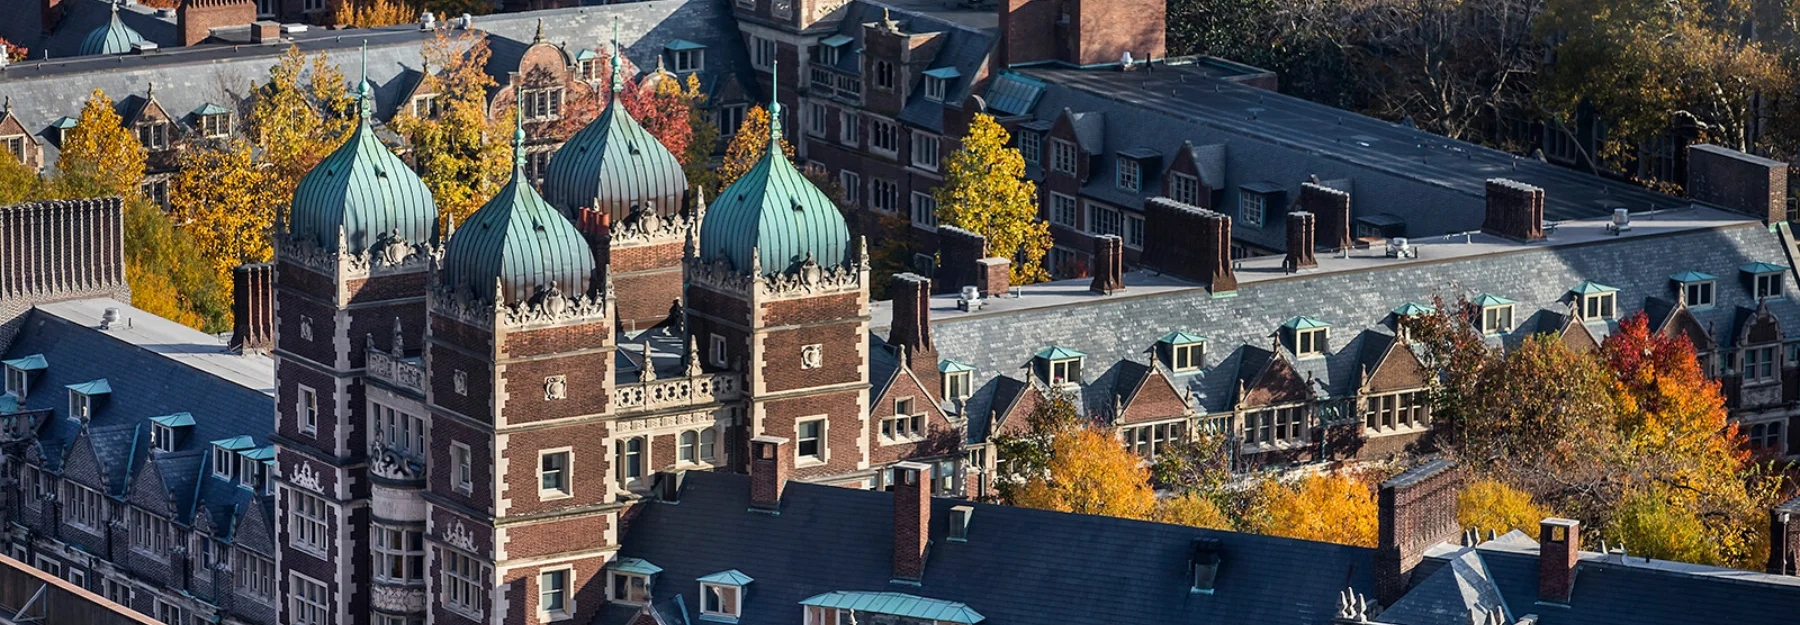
<point x="186" y="78"/>
<point x="960" y="47"/>
<point x="1018" y="565"/>
<point x="1435" y="184"/>
<point x="1355" y="302"/>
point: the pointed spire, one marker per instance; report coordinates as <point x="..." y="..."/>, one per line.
<point x="364" y="93"/>
<point x="617" y="84"/>
<point x="518" y="140"/>
<point x="539" y="37"/>
<point x="774" y="103"/>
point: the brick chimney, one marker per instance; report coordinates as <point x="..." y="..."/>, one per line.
<point x="265" y="31"/>
<point x="1741" y="182"/>
<point x="1332" y="208"/>
<point x="1784" y="538"/>
<point x="1515" y="210"/>
<point x="1188" y="242"/>
<point x="195" y="19"/>
<point x="1081" y="32"/>
<point x="1559" y="548"/>
<point x="911" y="329"/>
<point x="770" y="464"/>
<point x="912" y="520"/>
<point x="959" y="253"/>
<point x="994" y="277"/>
<point x="59" y="250"/>
<point x="1417" y="510"/>
<point x="1300" y="226"/>
<point x="252" y="307"/>
<point x="1109" y="264"/>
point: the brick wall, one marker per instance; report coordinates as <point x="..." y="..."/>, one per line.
<point x="589" y="467"/>
<point x="59" y="250"/>
<point x="195" y="19"/>
<point x="1515" y="210"/>
<point x="1105" y="29"/>
<point x="843" y="429"/>
<point x="586" y="376"/>
<point x="1737" y="181"/>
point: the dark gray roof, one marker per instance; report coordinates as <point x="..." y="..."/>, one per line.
<point x="963" y="48"/>
<point x="1435" y="184"/>
<point x="1018" y="566"/>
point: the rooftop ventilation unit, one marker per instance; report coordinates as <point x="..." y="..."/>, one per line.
<point x="969" y="300"/>
<point x="1399" y="247"/>
<point x="1621" y="221"/>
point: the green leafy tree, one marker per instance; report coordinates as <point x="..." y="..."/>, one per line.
<point x="101" y="157"/>
<point x="169" y="275"/>
<point x="463" y="156"/>
<point x="18" y="182"/>
<point x="985" y="191"/>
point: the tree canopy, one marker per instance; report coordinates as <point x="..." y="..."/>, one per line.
<point x="747" y="147"/>
<point x="99" y="156"/>
<point x="985" y="191"/>
<point x="462" y="156"/>
<point x="227" y="201"/>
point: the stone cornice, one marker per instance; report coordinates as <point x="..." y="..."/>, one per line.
<point x="392" y="254"/>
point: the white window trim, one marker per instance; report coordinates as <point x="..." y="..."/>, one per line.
<point x="1136" y="178"/>
<point x="1197" y="353"/>
<point x="1175" y="430"/>
<point x="920" y="139"/>
<point x="1057" y="149"/>
<point x="326" y="512"/>
<point x="1055" y="219"/>
<point x="967" y="377"/>
<point x="307" y="412"/>
<point x="1509" y="326"/>
<point x="1710" y="287"/>
<point x="1768" y="286"/>
<point x="737" y="600"/>
<point x="717" y="354"/>
<point x="568" y="592"/>
<point x="1304" y="426"/>
<point x="1599" y="306"/>
<point x="849" y="128"/>
<point x="467" y="460"/>
<point x="568" y="474"/>
<point x="1314" y="346"/>
<point x="612" y="583"/>
<point x="1245" y="203"/>
<point x="802" y="460"/>
<point x="295" y="598"/>
<point x="18" y="382"/>
<point x="1422" y="423"/>
<point x="475" y="581"/>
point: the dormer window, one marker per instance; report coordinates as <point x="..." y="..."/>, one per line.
<point x="162" y="438"/>
<point x="14" y="146"/>
<point x="957" y="379"/>
<point x="587" y="65"/>
<point x="1765" y="279"/>
<point x="19" y="372"/>
<point x="1130" y="175"/>
<point x="1597" y="301"/>
<point x="629" y="580"/>
<point x="254" y="466"/>
<point x="1697" y="289"/>
<point x="934" y="89"/>
<point x="1182" y="351"/>
<point x="165" y="429"/>
<point x="1255" y="200"/>
<point x="1060" y="366"/>
<point x="1496" y="314"/>
<point x="84" y="397"/>
<point x="426" y="106"/>
<point x="1306" y="336"/>
<point x="213" y="121"/>
<point x="721" y="595"/>
<point x="937" y="82"/>
<point x="154" y="135"/>
<point x="686" y="56"/>
<point x="61" y="128"/>
<point x="541" y="104"/>
<point x="225" y="456"/>
<point x="1062" y="156"/>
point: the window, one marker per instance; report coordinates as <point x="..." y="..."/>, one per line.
<point x="541" y="104"/>
<point x="401" y="432"/>
<point x="849" y="128"/>
<point x="1130" y="176"/>
<point x="149" y="532"/>
<point x="399" y="554"/>
<point x="307" y="600"/>
<point x="48" y="566"/>
<point x="1768" y="285"/>
<point x="553" y="474"/>
<point x="80" y="405"/>
<point x="426" y="106"/>
<point x="225" y="463"/>
<point x="1134" y="231"/>
<point x="956" y="385"/>
<point x="629" y="456"/>
<point x="692" y="60"/>
<point x="1149" y="440"/>
<point x="462" y="468"/>
<point x="536" y="164"/>
<point x="306" y="522"/>
<point x="719" y="600"/>
<point x="216" y="125"/>
<point x="828" y="55"/>
<point x="312" y="5"/>
<point x="765" y="53"/>
<point x="255" y="575"/>
<point x="717" y="354"/>
<point x="1760" y="364"/>
<point x="811" y="443"/>
<point x="1064" y="211"/>
<point x="114" y="591"/>
<point x="86" y="508"/>
<point x="924" y="211"/>
<point x="154" y="135"/>
<point x="16" y="382"/>
<point x="168" y="613"/>
<point x="1699" y="294"/>
<point x="1066" y="371"/>
<point x="884" y="136"/>
<point x="934" y="88"/>
<point x="629" y="587"/>
<point x="1599" y="306"/>
<point x="852" y="183"/>
<point x="464" y="579"/>
<point x="1396" y="411"/>
<point x="709" y="444"/>
<point x="905" y="425"/>
<point x="76" y="577"/>
<point x="1251" y="208"/>
<point x="1187" y="357"/>
<point x="1309" y="342"/>
<point x="553" y="593"/>
<point x="1276" y="425"/>
<point x="925" y="151"/>
<point x="162" y="437"/>
<point x="884" y="195"/>
<point x="816" y="117"/>
<point x="157" y="191"/>
<point x="816" y="615"/>
<point x="14" y="145"/>
<point x="883" y="72"/>
<point x="1062" y="156"/>
<point x="1031" y="146"/>
<point x="1103" y="220"/>
<point x="256" y="473"/>
<point x="1183" y="188"/>
<point x="1766" y="436"/>
<point x="686" y="450"/>
<point x="731" y="118"/>
<point x="308" y="410"/>
<point x="1497" y="319"/>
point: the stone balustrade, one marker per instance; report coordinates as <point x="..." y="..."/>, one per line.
<point x="678" y="392"/>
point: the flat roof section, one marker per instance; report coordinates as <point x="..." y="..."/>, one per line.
<point x="174" y="341"/>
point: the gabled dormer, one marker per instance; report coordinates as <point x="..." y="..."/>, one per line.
<point x="1058" y="366"/>
<point x="16" y="141"/>
<point x="225" y="464"/>
<point x="1258" y="200"/>
<point x="1594" y="301"/>
<point x="254" y="468"/>
<point x="628" y="580"/>
<point x="957" y="381"/>
<point x="151" y="124"/>
<point x="722" y="595"/>
<point x="1305" y="336"/>
<point x="21" y="372"/>
<point x="685" y="57"/>
<point x="1182" y="352"/>
<point x="167" y="432"/>
<point x="939" y="82"/>
<point x="1494" y="314"/>
<point x="212" y="121"/>
<point x="1694" y="289"/>
<point x="1763" y="279"/>
<point x="1134" y="170"/>
<point x="87" y="398"/>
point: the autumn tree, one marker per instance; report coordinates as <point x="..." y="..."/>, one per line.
<point x="696" y="158"/>
<point x="226" y="201"/>
<point x="302" y="113"/>
<point x="462" y="155"/>
<point x="99" y="156"/>
<point x="372" y="13"/>
<point x="661" y="102"/>
<point x="1193" y="511"/>
<point x="748" y="146"/>
<point x="985" y="192"/>
<point x="1025" y="452"/>
<point x="169" y="275"/>
<point x="1089" y="472"/>
<point x="1489" y="504"/>
<point x="1333" y="508"/>
<point x="15" y="52"/>
<point x="18" y="182"/>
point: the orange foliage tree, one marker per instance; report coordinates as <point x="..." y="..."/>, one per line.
<point x="1335" y="508"/>
<point x="1089" y="472"/>
<point x="661" y="102"/>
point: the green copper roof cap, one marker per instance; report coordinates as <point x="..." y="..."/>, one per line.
<point x="95" y="387"/>
<point x="518" y="241"/>
<point x="951" y="366"/>
<point x="266" y="452"/>
<point x="364" y="191"/>
<point x="1058" y="352"/>
<point x="943" y="72"/>
<point x="34" y="362"/>
<point x="1692" y="276"/>
<point x="113" y="38"/>
<point x="683" y="44"/>
<point x="1304" y="322"/>
<point x="897" y="604"/>
<point x="177" y="420"/>
<point x="773" y="219"/>
<point x="1762" y="267"/>
<point x="614" y="164"/>
<point x="1413" y="308"/>
<point x="733" y="577"/>
<point x="1489" y="299"/>
<point x="235" y="443"/>
<point x="1181" y="338"/>
<point x="836" y="40"/>
<point x="210" y="109"/>
<point x="1588" y="287"/>
<point x="633" y="565"/>
<point x="65" y="122"/>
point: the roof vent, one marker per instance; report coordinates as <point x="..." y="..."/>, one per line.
<point x="1205" y="564"/>
<point x="467" y="22"/>
<point x="142" y="47"/>
<point x="427" y="21"/>
<point x="959" y="523"/>
<point x="108" y="318"/>
<point x="1399" y="247"/>
<point x="1621" y="221"/>
<point x="970" y="299"/>
<point x="289" y="29"/>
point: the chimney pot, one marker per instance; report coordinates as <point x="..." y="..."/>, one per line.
<point x="770" y="463"/>
<point x="1559" y="548"/>
<point x="1300" y="238"/>
<point x="1515" y="210"/>
<point x="1109" y="264"/>
<point x="993" y="276"/>
<point x="912" y="519"/>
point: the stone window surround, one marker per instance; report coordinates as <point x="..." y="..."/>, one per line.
<point x="822" y="453"/>
<point x="568" y="585"/>
<point x="565" y="487"/>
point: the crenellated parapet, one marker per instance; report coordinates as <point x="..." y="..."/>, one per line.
<point x="808" y="278"/>
<point x="391" y="254"/>
<point x="549" y="307"/>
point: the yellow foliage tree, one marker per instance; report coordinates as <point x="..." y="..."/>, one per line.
<point x="168" y="275"/>
<point x="1192" y="510"/>
<point x="1652" y="522"/>
<point x="373" y="13"/>
<point x="1090" y="473"/>
<point x="100" y="157"/>
<point x="226" y="201"/>
<point x="985" y="192"/>
<point x="18" y="183"/>
<point x="463" y="156"/>
<point x="300" y="115"/>
<point x="1324" y="507"/>
<point x="1489" y="504"/>
<point x="747" y="147"/>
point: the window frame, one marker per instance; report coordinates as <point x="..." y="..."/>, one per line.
<point x="18" y="382"/>
<point x="149" y="532"/>
<point x="309" y="518"/>
<point x="215" y="126"/>
<point x="80" y="405"/>
<point x="1311" y="342"/>
<point x="1692" y="290"/>
<point x="817" y="116"/>
<point x="1033" y="154"/>
<point x="14" y="145"/>
<point x="707" y="595"/>
<point x="1599" y="306"/>
<point x="563" y="591"/>
<point x="1187" y="356"/>
<point x="254" y="574"/>
<point x="935" y="88"/>
<point x="1265" y="427"/>
<point x="884" y="195"/>
<point x="926" y="150"/>
<point x="630" y="461"/>
<point x="1148" y="440"/>
<point x="717" y="353"/>
<point x="849" y="127"/>
<point x="162" y="437"/>
<point x="688" y="61"/>
<point x="924" y="211"/>
<point x="307" y="409"/>
<point x="1396" y="412"/>
<point x="1065" y="211"/>
<point x="1252" y="208"/>
<point x="1491" y="318"/>
<point x="954" y="381"/>
<point x="85" y="507"/>
<point x="305" y="609"/>
<point x="1063" y="156"/>
<point x="1064" y="365"/>
<point x="464" y="579"/>
<point x="821" y="451"/>
<point x="622" y="580"/>
<point x="1768" y="285"/>
<point x="401" y="547"/>
<point x="1183" y="187"/>
<point x="565" y="487"/>
<point x="884" y="137"/>
<point x="462" y="468"/>
<point x="1129" y="174"/>
<point x="852" y="184"/>
<point x="883" y="73"/>
<point x="1103" y="220"/>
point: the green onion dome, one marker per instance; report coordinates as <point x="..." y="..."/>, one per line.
<point x="113" y="38"/>
<point x="615" y="166"/>
<point x="773" y="213"/>
<point x="366" y="191"/>
<point x="520" y="242"/>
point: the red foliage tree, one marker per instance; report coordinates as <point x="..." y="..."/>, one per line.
<point x="657" y="102"/>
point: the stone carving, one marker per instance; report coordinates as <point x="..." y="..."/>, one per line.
<point x="556" y="387"/>
<point x="306" y="477"/>
<point x="306" y="333"/>
<point x="647" y="373"/>
<point x="393" y="369"/>
<point x="810" y="278"/>
<point x="690" y="391"/>
<point x="389" y="254"/>
<point x="548" y="307"/>
<point x="645" y="226"/>
<point x="392" y="464"/>
<point x="460" y="380"/>
<point x="397" y="599"/>
<point x="812" y="356"/>
<point x="460" y="538"/>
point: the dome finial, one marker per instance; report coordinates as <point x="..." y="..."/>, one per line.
<point x="617" y="85"/>
<point x="363" y="91"/>
<point x="774" y="102"/>
<point x="518" y="140"/>
<point x="539" y="37"/>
